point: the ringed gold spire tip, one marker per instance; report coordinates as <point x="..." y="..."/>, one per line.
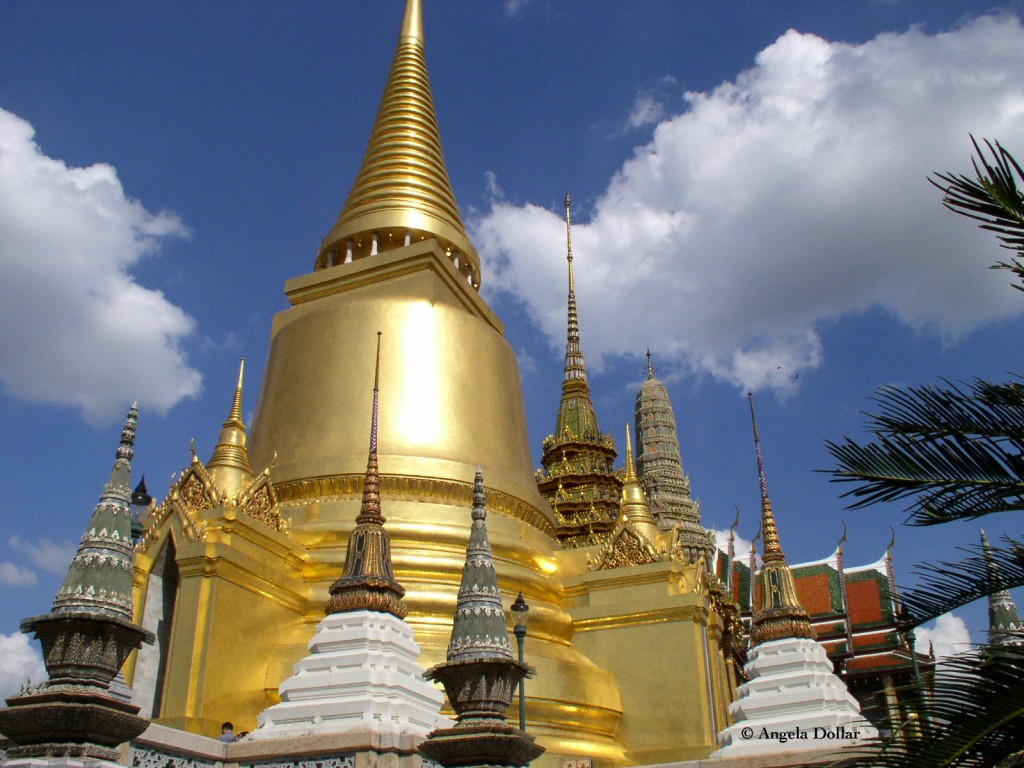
<point x="402" y="193"/>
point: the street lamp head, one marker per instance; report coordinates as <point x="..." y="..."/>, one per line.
<point x="520" y="609"/>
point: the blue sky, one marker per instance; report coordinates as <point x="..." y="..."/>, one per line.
<point x="749" y="201"/>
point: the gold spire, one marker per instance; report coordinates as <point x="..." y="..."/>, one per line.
<point x="229" y="465"/>
<point x="368" y="581"/>
<point x="412" y="23"/>
<point x="635" y="507"/>
<point x="630" y="465"/>
<point x="402" y="192"/>
<point x="778" y="613"/>
<point x="575" y="367"/>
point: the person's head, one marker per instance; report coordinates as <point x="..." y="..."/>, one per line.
<point x="227" y="728"/>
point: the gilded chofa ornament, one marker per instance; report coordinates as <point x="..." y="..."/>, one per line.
<point x="368" y="582"/>
<point x="480" y="676"/>
<point x="86" y="638"/>
<point x="778" y="613"/>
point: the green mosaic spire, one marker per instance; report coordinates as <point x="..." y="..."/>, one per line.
<point x="480" y="630"/>
<point x="578" y="478"/>
<point x="99" y="580"/>
<point x="1004" y="623"/>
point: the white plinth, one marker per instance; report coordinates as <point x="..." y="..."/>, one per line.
<point x="362" y="674"/>
<point x="793" y="701"/>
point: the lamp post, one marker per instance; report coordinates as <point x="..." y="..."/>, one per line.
<point x="520" y="609"/>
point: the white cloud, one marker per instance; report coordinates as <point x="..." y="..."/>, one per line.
<point x="787" y="198"/>
<point x="68" y="237"/>
<point x="51" y="556"/>
<point x="948" y="634"/>
<point x="19" y="662"/>
<point x="12" y="575"/>
<point x="742" y="546"/>
<point x="646" y="110"/>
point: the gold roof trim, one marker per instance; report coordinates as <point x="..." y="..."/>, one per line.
<point x="402" y="193"/>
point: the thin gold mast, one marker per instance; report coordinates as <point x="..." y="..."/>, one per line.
<point x="778" y="613"/>
<point x="630" y="464"/>
<point x="368" y="582"/>
<point x="402" y="192"/>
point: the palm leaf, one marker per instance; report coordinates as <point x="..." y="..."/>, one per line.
<point x="993" y="197"/>
<point x="958" y="451"/>
<point x="945" y="586"/>
<point x="972" y="718"/>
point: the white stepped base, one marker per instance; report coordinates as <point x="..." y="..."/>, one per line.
<point x="793" y="701"/>
<point x="361" y="674"/>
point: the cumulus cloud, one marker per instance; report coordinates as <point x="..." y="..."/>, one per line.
<point x="20" y="661"/>
<point x="51" y="556"/>
<point x="68" y="302"/>
<point x="787" y="198"/>
<point x="947" y="634"/>
<point x="12" y="575"/>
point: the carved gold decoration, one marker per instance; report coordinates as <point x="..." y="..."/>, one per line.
<point x="625" y="548"/>
<point x="195" y="494"/>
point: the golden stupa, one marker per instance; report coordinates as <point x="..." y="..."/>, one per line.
<point x="233" y="569"/>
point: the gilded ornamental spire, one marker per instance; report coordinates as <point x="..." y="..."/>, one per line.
<point x="368" y="582"/>
<point x="402" y="192"/>
<point x="635" y="507"/>
<point x="576" y="416"/>
<point x="575" y="367"/>
<point x="229" y="465"/>
<point x="778" y="613"/>
<point x="578" y="478"/>
<point x="99" y="581"/>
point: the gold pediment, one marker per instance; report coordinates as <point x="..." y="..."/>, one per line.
<point x="626" y="547"/>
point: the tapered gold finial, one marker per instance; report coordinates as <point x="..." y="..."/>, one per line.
<point x="635" y="506"/>
<point x="630" y="464"/>
<point x="229" y="465"/>
<point x="236" y="406"/>
<point x="778" y="613"/>
<point x="412" y="23"/>
<point x="402" y="193"/>
<point x="368" y="582"/>
<point x="575" y="367"/>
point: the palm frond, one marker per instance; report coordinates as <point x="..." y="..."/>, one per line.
<point x="972" y="718"/>
<point x="993" y="197"/>
<point x="944" y="586"/>
<point x="957" y="450"/>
